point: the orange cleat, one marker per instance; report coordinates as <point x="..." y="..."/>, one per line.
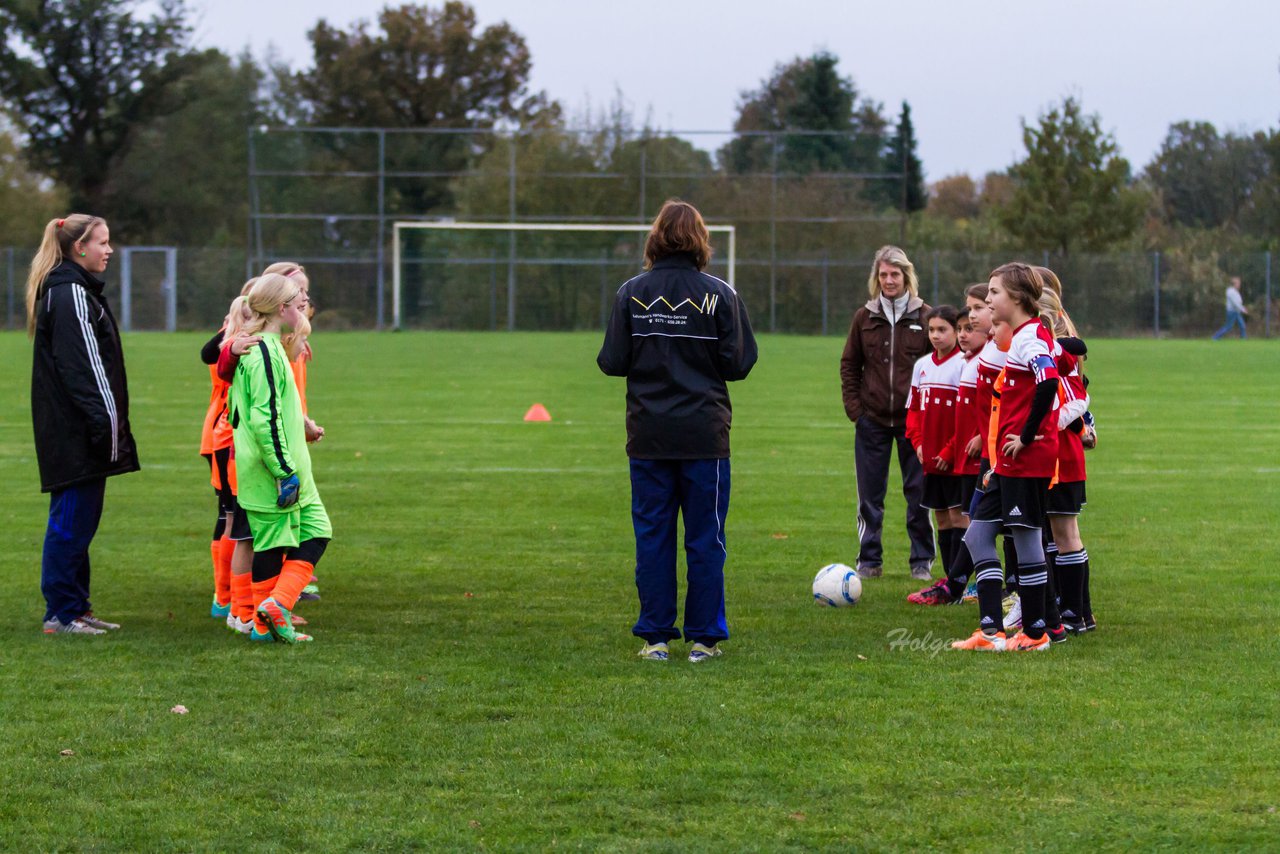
<point x="1021" y="643"/>
<point x="981" y="642"/>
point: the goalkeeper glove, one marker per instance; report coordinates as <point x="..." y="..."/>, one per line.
<point x="288" y="491"/>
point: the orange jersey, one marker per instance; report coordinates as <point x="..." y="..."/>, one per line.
<point x="216" y="433"/>
<point x="299" y="366"/>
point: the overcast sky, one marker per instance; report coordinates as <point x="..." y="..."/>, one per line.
<point x="971" y="69"/>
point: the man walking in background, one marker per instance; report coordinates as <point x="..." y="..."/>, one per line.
<point x="1236" y="312"/>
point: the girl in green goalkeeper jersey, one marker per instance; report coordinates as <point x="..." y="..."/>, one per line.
<point x="276" y="490"/>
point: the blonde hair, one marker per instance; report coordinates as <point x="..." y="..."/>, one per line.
<point x="238" y="315"/>
<point x="1055" y="315"/>
<point x="266" y="296"/>
<point x="294" y="342"/>
<point x="57" y="245"/>
<point x="895" y="256"/>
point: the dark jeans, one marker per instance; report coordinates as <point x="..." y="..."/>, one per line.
<point x="74" y="514"/>
<point x="872" y="449"/>
<point x="1234" y="318"/>
<point x="661" y="491"/>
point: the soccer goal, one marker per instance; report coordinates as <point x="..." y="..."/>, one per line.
<point x="459" y="232"/>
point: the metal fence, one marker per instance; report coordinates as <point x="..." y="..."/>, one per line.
<point x="1148" y="294"/>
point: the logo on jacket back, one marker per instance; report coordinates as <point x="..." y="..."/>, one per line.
<point x="677" y="317"/>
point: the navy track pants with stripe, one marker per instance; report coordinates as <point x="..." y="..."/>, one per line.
<point x="74" y="514"/>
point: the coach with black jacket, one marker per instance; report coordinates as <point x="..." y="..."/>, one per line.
<point x="678" y="335"/>
<point x="79" y="408"/>
<point x="887" y="336"/>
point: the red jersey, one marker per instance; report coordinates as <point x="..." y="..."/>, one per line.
<point x="931" y="407"/>
<point x="968" y="416"/>
<point x="991" y="361"/>
<point x="1070" y="394"/>
<point x="1029" y="363"/>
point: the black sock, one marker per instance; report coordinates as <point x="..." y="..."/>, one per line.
<point x="1071" y="583"/>
<point x="1086" y="605"/>
<point x="946" y="548"/>
<point x="991" y="618"/>
<point x="961" y="568"/>
<point x="1052" y="613"/>
<point x="1033" y="586"/>
<point x="1010" y="564"/>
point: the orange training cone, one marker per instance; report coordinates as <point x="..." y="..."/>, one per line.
<point x="537" y="412"/>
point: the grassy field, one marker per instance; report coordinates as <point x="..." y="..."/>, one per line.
<point x="474" y="685"/>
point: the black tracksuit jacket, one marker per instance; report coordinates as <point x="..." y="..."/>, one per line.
<point x="79" y="394"/>
<point x="678" y="335"/>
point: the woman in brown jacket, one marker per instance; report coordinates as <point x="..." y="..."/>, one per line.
<point x="886" y="338"/>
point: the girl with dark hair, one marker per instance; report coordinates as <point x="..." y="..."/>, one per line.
<point x="79" y="407"/>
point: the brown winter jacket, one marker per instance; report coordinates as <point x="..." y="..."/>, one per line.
<point x="876" y="351"/>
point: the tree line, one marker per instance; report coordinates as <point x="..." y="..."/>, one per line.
<point x="109" y="107"/>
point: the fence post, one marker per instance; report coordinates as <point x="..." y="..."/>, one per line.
<point x="773" y="236"/>
<point x="511" y="239"/>
<point x="825" y="266"/>
<point x="382" y="226"/>
<point x="1155" y="289"/>
<point x="493" y="293"/>
<point x="1267" y="303"/>
<point x="8" y="323"/>
<point x="604" y="288"/>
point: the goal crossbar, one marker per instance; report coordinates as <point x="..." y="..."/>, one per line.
<point x="624" y="227"/>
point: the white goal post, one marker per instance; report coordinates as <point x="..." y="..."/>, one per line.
<point x="514" y="227"/>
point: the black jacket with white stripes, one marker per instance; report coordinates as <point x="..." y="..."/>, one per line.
<point x="79" y="395"/>
<point x="678" y="335"/>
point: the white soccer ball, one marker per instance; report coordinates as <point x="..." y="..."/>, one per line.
<point x="837" y="586"/>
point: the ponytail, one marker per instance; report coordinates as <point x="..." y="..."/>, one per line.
<point x="60" y="235"/>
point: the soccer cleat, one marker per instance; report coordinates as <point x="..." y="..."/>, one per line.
<point x="1021" y="643"/>
<point x="970" y="592"/>
<point x="239" y="626"/>
<point x="310" y="593"/>
<point x="979" y="641"/>
<point x="654" y="652"/>
<point x="920" y="572"/>
<point x="1072" y="623"/>
<point x="93" y="621"/>
<point x="1058" y="635"/>
<point x="260" y="637"/>
<point x="219" y="612"/>
<point x="298" y="620"/>
<point x="75" y="627"/>
<point x="278" y="621"/>
<point x="1013" y="618"/>
<point x="701" y="652"/>
<point x="865" y="572"/>
<point x="1090" y="624"/>
<point x="935" y="594"/>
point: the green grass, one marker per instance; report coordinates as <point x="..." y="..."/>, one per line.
<point x="473" y="684"/>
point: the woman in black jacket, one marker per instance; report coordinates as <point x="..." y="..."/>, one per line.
<point x="79" y="408"/>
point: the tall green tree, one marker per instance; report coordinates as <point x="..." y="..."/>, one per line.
<point x="1207" y="180"/>
<point x="1073" y="189"/>
<point x="807" y="94"/>
<point x="81" y="78"/>
<point x="27" y="199"/>
<point x="903" y="157"/>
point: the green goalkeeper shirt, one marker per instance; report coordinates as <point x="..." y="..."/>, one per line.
<point x="271" y="441"/>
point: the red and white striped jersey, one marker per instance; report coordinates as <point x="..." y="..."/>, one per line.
<point x="931" y="407"/>
<point x="1029" y="362"/>
<point x="1070" y="389"/>
<point x="968" y="417"/>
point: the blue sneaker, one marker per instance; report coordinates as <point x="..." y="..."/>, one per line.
<point x="970" y="592"/>
<point x="701" y="652"/>
<point x="654" y="652"/>
<point x="219" y="612"/>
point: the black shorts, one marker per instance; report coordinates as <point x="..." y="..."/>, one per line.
<point x="240" y="527"/>
<point x="968" y="483"/>
<point x="1016" y="502"/>
<point x="941" y="492"/>
<point x="226" y="498"/>
<point x="1066" y="499"/>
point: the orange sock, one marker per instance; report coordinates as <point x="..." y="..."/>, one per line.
<point x="261" y="591"/>
<point x="241" y="594"/>
<point x="294" y="575"/>
<point x="222" y="550"/>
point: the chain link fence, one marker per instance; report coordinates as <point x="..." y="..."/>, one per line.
<point x="1148" y="294"/>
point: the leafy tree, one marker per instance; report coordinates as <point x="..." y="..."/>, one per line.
<point x="81" y="78"/>
<point x="1205" y="180"/>
<point x="27" y="199"/>
<point x="954" y="197"/>
<point x="807" y="94"/>
<point x="1073" y="190"/>
<point x="902" y="156"/>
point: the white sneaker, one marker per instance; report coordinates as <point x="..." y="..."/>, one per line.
<point x="701" y="652"/>
<point x="654" y="652"/>
<point x="75" y="627"/>
<point x="238" y="625"/>
<point x="1013" y="619"/>
<point x="90" y="619"/>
